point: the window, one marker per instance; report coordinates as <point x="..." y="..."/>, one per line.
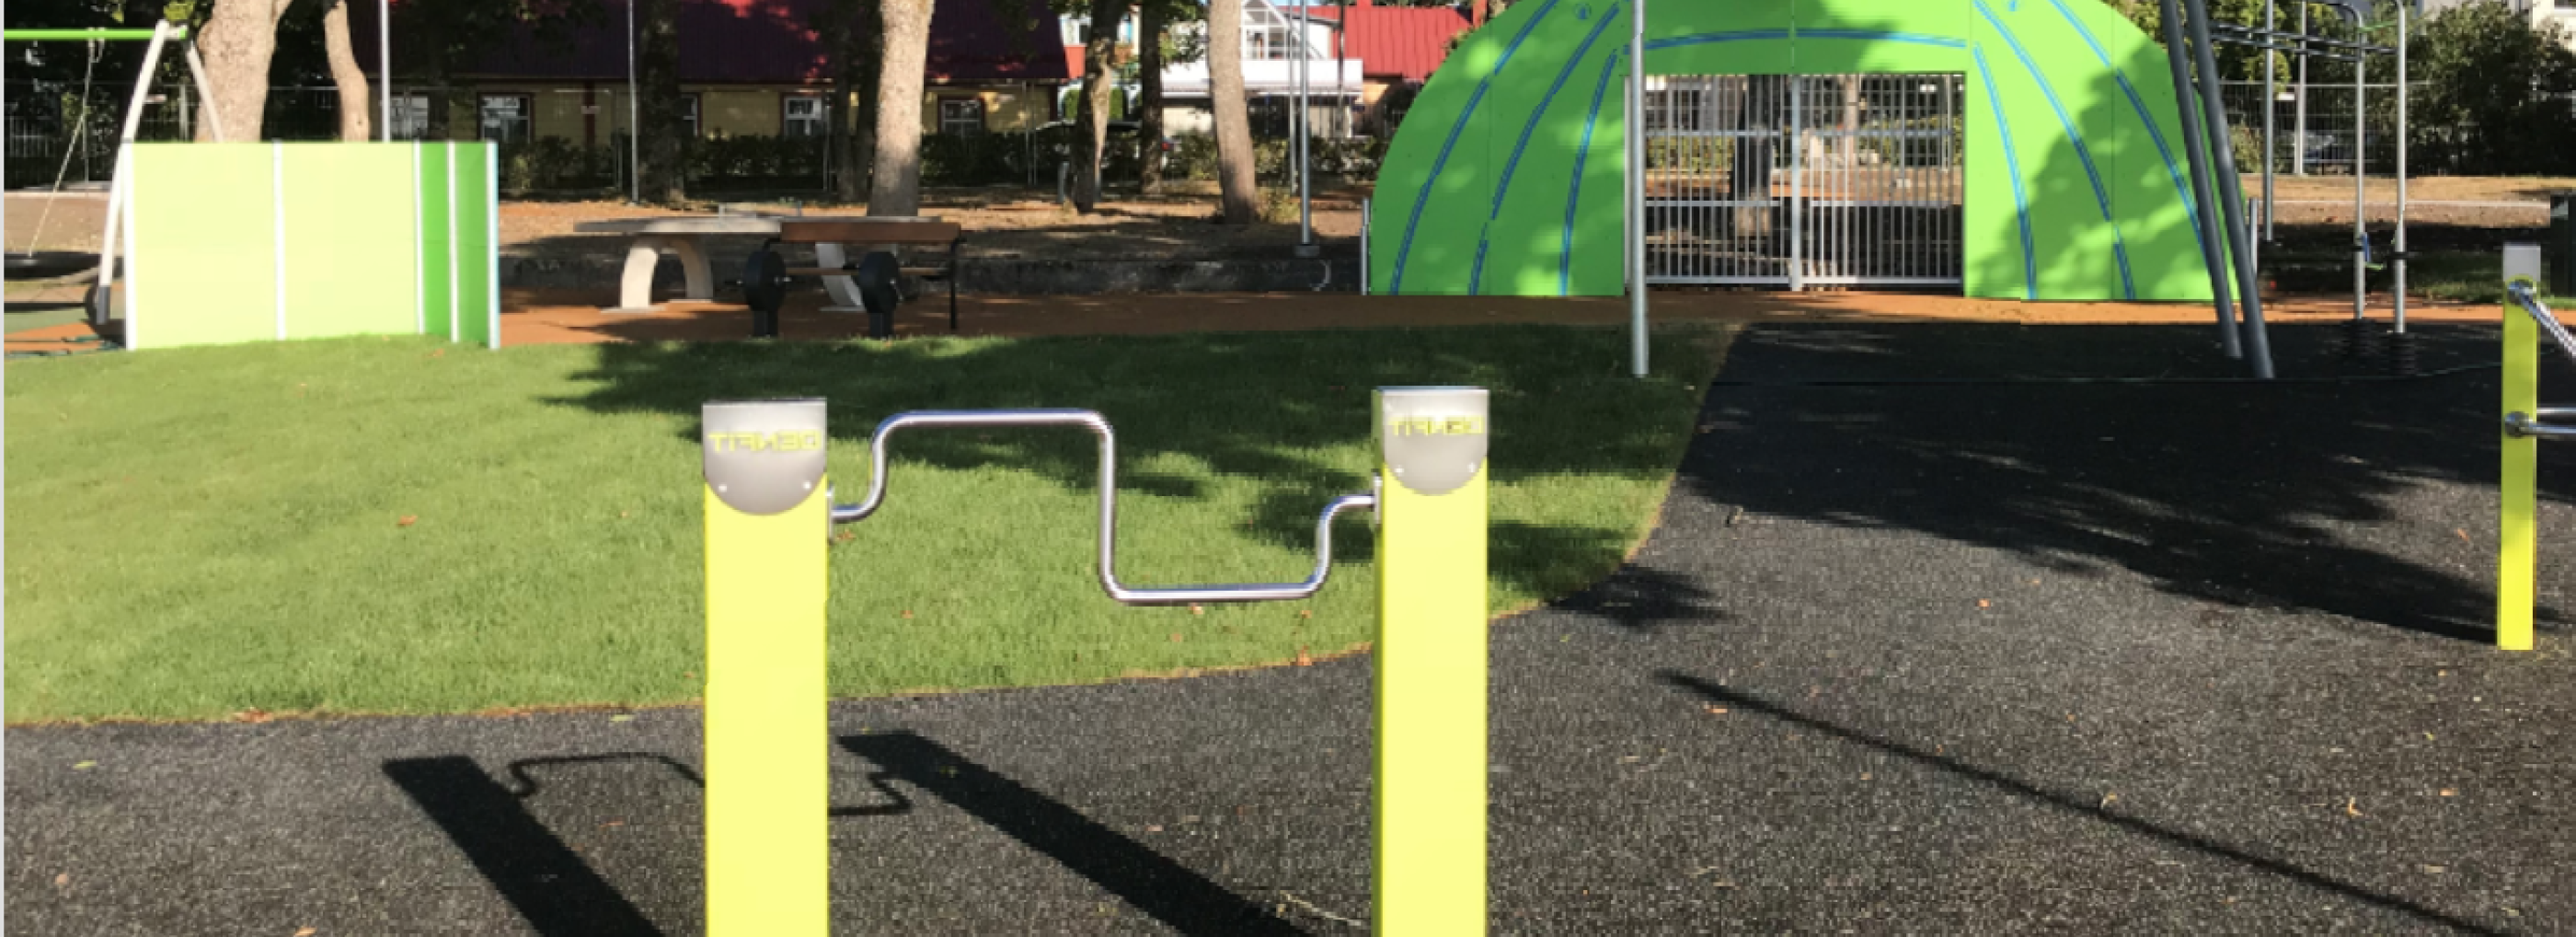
<point x="961" y="116"/>
<point x="1268" y="35"/>
<point x="411" y="117"/>
<point x="689" y="113"/>
<point x="801" y="116"/>
<point x="506" y="118"/>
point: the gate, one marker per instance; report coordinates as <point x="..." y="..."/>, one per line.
<point x="1804" y="180"/>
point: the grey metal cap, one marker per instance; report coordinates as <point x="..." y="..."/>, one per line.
<point x="1433" y="438"/>
<point x="764" y="456"/>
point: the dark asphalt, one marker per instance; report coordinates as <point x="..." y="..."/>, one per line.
<point x="2052" y="658"/>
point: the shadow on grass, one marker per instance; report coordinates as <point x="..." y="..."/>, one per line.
<point x="2367" y="500"/>
<point x="1291" y="409"/>
<point x="2079" y="805"/>
<point x="560" y="895"/>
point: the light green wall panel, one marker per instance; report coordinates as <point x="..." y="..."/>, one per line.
<point x="204" y="269"/>
<point x="350" y="264"/>
<point x="437" y="253"/>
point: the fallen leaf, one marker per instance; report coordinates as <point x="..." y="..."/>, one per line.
<point x="2447" y="792"/>
<point x="84" y="766"/>
<point x="1304" y="659"/>
<point x="1198" y="610"/>
<point x="1176" y="637"/>
<point x="251" y="715"/>
<point x="1981" y="603"/>
<point x="612" y="823"/>
<point x="625" y="513"/>
<point x="62" y="879"/>
<point x="622" y="717"/>
<point x="440" y="353"/>
<point x="1153" y="827"/>
<point x="2464" y="534"/>
<point x="907" y="613"/>
<point x="2433" y="869"/>
<point x="407" y="520"/>
<point x="688" y="675"/>
<point x="1305" y="613"/>
<point x="2351" y="806"/>
<point x="1715" y="710"/>
<point x="304" y="932"/>
<point x="2106" y="801"/>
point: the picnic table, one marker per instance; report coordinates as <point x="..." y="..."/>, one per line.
<point x="684" y="235"/>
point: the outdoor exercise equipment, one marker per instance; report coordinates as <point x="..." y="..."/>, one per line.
<point x="119" y="188"/>
<point x="2526" y="423"/>
<point x="769" y="504"/>
<point x="2304" y="45"/>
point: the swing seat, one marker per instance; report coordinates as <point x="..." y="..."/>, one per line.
<point x="47" y="265"/>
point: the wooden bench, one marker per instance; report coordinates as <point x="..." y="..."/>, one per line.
<point x="944" y="234"/>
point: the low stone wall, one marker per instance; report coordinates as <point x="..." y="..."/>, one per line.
<point x="1012" y="276"/>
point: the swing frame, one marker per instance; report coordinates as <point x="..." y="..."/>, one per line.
<point x="161" y="34"/>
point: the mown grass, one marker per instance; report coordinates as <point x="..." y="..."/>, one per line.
<point x="377" y="525"/>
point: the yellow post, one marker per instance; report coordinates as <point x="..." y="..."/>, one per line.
<point x="1431" y="763"/>
<point x="2518" y="553"/>
<point x="767" y="799"/>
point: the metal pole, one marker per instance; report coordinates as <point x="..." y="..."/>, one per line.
<point x="2271" y="121"/>
<point x="2360" y="191"/>
<point x="2197" y="155"/>
<point x="634" y="115"/>
<point x="2399" y="273"/>
<point x="1364" y="247"/>
<point x="2231" y="189"/>
<point x="385" y="66"/>
<point x="1305" y="130"/>
<point x="1637" y="189"/>
<point x="2299" y="140"/>
<point x="120" y="184"/>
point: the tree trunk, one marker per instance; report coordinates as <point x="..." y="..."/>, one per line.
<point x="895" y="189"/>
<point x="1240" y="192"/>
<point x="853" y="42"/>
<point x="237" y="41"/>
<point x="1150" y="26"/>
<point x="662" y="139"/>
<point x="1099" y="58"/>
<point x="346" y="75"/>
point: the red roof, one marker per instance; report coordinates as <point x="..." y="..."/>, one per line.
<point x="1400" y="42"/>
<point x="773" y="42"/>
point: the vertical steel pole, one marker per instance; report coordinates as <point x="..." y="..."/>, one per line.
<point x="768" y="517"/>
<point x="2196" y="153"/>
<point x="1636" y="137"/>
<point x="2398" y="269"/>
<point x="2271" y="122"/>
<point x="2299" y="135"/>
<point x="2360" y="186"/>
<point x="1365" y="288"/>
<point x="1305" y="129"/>
<point x="1431" y="661"/>
<point x="385" y="66"/>
<point x="2231" y="189"/>
<point x="634" y="115"/>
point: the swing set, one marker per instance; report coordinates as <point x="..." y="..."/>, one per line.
<point x="32" y="264"/>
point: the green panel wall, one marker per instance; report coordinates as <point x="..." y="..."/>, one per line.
<point x="474" y="206"/>
<point x="350" y="239"/>
<point x="437" y="254"/>
<point x="2073" y="141"/>
<point x="204" y="269"/>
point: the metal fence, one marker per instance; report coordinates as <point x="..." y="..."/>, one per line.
<point x="2313" y="128"/>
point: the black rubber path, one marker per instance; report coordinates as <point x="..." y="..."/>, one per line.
<point x="1955" y="658"/>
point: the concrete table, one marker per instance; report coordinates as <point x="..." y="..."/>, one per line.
<point x="683" y="234"/>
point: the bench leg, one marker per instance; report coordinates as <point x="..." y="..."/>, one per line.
<point x="635" y="284"/>
<point x="844" y="291"/>
<point x="693" y="265"/>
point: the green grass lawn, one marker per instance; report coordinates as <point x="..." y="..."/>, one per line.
<point x="376" y="525"/>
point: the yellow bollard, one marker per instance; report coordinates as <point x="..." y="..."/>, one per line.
<point x="1431" y="657"/>
<point x="2518" y="552"/>
<point x="767" y="742"/>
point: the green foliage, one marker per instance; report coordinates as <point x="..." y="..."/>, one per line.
<point x="1357" y="158"/>
<point x="2494" y="96"/>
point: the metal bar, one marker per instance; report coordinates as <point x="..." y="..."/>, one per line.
<point x="2360" y="193"/>
<point x="2251" y="44"/>
<point x="177" y="31"/>
<point x="1364" y="247"/>
<point x="2271" y="123"/>
<point x="1797" y="183"/>
<point x="2196" y="151"/>
<point x="2299" y="140"/>
<point x="2398" y="275"/>
<point x="385" y="68"/>
<point x="2231" y="185"/>
<point x="120" y="185"/>
<point x="2522" y="295"/>
<point x="2227" y="32"/>
<point x="1099" y="426"/>
<point x="1637" y="188"/>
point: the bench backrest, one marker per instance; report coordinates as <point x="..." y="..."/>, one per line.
<point x="868" y="232"/>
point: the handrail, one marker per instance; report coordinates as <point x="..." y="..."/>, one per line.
<point x="1099" y="426"/>
<point x="2523" y="295"/>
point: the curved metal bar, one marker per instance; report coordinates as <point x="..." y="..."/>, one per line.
<point x="2523" y="295"/>
<point x="1099" y="426"/>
